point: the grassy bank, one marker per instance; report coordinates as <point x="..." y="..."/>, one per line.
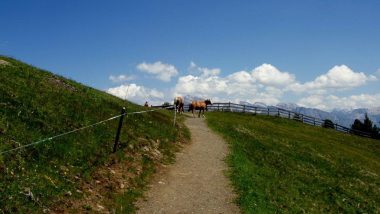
<point x="36" y="104"/>
<point x="280" y="165"/>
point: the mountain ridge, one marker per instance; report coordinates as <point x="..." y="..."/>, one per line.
<point x="343" y="116"/>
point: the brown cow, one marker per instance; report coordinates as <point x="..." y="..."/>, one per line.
<point x="200" y="105"/>
<point x="179" y="104"/>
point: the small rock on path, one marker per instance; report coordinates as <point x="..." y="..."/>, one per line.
<point x="196" y="182"/>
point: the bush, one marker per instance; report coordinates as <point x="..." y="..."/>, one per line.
<point x="328" y="124"/>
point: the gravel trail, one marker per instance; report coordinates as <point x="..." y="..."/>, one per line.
<point x="196" y="182"/>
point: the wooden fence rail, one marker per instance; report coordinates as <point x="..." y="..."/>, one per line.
<point x="273" y="111"/>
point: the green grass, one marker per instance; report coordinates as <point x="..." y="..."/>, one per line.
<point x="35" y="104"/>
<point x="280" y="165"/>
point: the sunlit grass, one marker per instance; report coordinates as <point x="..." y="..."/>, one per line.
<point x="35" y="104"/>
<point x="280" y="165"/>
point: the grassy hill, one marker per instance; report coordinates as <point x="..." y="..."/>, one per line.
<point x="280" y="165"/>
<point x="36" y="104"/>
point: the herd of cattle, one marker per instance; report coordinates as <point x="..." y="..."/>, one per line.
<point x="200" y="105"/>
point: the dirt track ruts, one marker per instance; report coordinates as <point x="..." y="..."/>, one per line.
<point x="196" y="182"/>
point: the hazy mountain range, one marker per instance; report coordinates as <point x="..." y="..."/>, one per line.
<point x="343" y="117"/>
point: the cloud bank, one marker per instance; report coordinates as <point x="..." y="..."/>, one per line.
<point x="204" y="72"/>
<point x="265" y="83"/>
<point x="337" y="78"/>
<point x="330" y="102"/>
<point x="160" y="70"/>
<point x="269" y="75"/>
<point x="137" y="94"/>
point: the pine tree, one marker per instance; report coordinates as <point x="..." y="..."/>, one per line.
<point x="357" y="125"/>
<point x="376" y="132"/>
<point x="367" y="125"/>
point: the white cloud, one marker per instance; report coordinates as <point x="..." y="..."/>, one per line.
<point x="162" y="71"/>
<point x="120" y="78"/>
<point x="238" y="86"/>
<point x="267" y="74"/>
<point x="267" y="84"/>
<point x="205" y="72"/>
<point x="330" y="102"/>
<point x="264" y="83"/>
<point x="203" y="86"/>
<point x="314" y="101"/>
<point x="241" y="77"/>
<point x="337" y="78"/>
<point x="138" y="94"/>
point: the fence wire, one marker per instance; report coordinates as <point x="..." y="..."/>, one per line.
<point x="72" y="131"/>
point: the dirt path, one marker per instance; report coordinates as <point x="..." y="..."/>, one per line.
<point x="196" y="183"/>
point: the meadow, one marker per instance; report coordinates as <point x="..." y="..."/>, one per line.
<point x="283" y="166"/>
<point x="36" y="104"/>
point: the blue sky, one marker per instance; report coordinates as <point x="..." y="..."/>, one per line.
<point x="323" y="54"/>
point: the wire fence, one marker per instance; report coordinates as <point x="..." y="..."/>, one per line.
<point x="56" y="164"/>
<point x="224" y="107"/>
<point x="49" y="139"/>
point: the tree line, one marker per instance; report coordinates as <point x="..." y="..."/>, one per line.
<point x="366" y="126"/>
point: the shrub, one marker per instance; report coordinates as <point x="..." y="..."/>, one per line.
<point x="328" y="124"/>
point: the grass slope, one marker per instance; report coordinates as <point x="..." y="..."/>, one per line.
<point x="280" y="165"/>
<point x="35" y="104"/>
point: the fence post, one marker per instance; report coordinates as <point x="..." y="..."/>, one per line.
<point x="255" y="110"/>
<point x="278" y="112"/>
<point x="302" y="117"/>
<point x="229" y="106"/>
<point x="289" y="114"/>
<point x="243" y="108"/>
<point x="314" y="121"/>
<point x="116" y="144"/>
<point x="268" y="111"/>
<point x="175" y="114"/>
<point x="218" y="107"/>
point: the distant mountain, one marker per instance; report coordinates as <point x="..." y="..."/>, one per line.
<point x="348" y="116"/>
<point x="256" y="104"/>
<point x="287" y="106"/>
<point x="374" y="111"/>
<point x="344" y="117"/>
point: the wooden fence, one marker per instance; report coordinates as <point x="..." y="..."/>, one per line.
<point x="274" y="111"/>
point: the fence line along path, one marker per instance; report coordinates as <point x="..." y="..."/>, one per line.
<point x="278" y="112"/>
<point x="196" y="182"/>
